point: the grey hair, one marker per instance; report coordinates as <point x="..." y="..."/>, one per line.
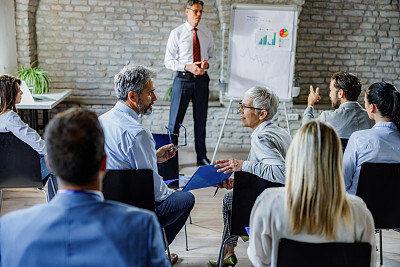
<point x="264" y="98"/>
<point x="132" y="78"/>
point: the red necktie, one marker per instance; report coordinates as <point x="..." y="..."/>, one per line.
<point x="196" y="47"/>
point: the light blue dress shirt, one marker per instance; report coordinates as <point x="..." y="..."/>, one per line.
<point x="380" y="144"/>
<point x="11" y="122"/>
<point x="129" y="145"/>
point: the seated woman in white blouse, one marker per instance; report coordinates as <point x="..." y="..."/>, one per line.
<point x="10" y="95"/>
<point x="313" y="207"/>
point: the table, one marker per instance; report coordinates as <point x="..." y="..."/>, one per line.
<point x="45" y="102"/>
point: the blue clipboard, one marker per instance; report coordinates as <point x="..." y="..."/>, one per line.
<point x="205" y="176"/>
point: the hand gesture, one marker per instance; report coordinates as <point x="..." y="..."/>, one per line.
<point x="204" y="64"/>
<point x="166" y="152"/>
<point x="194" y="68"/>
<point x="229" y="165"/>
<point x="313" y="96"/>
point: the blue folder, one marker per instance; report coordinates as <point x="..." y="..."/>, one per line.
<point x="205" y="176"/>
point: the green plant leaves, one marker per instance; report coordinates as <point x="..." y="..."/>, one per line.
<point x="36" y="79"/>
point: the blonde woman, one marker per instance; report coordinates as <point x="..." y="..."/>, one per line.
<point x="313" y="206"/>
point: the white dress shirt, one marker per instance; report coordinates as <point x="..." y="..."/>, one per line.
<point x="269" y="222"/>
<point x="380" y="144"/>
<point x="179" y="50"/>
<point x="11" y="122"/>
<point x="129" y="145"/>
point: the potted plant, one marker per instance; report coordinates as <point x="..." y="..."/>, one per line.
<point x="36" y="79"/>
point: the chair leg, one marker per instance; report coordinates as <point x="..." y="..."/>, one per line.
<point x="186" y="241"/>
<point x="224" y="240"/>
<point x="190" y="219"/>
<point x="166" y="245"/>
<point x="45" y="194"/>
<point x="380" y="247"/>
<point x="52" y="185"/>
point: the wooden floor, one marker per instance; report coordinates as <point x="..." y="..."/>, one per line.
<point x="204" y="234"/>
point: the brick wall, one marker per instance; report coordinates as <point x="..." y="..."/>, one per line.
<point x="362" y="37"/>
<point x="83" y="43"/>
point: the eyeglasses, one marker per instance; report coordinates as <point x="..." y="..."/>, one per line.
<point x="170" y="139"/>
<point x="243" y="106"/>
<point x="197" y="11"/>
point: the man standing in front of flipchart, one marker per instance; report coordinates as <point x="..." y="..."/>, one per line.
<point x="190" y="52"/>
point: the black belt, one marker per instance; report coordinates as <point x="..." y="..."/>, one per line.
<point x="188" y="75"/>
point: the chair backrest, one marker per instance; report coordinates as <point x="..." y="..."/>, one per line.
<point x="169" y="169"/>
<point x="299" y="254"/>
<point x="246" y="189"/>
<point x="19" y="164"/>
<point x="344" y="142"/>
<point x="378" y="186"/>
<point x="132" y="187"/>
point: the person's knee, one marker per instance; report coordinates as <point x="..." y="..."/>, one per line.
<point x="191" y="200"/>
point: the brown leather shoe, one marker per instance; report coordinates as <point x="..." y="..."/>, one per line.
<point x="174" y="258"/>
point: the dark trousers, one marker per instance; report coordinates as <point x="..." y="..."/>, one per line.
<point x="184" y="90"/>
<point x="173" y="212"/>
<point x="47" y="173"/>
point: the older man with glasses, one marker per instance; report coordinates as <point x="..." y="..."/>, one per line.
<point x="190" y="52"/>
<point x="269" y="144"/>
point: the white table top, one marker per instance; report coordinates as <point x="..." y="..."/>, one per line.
<point x="49" y="100"/>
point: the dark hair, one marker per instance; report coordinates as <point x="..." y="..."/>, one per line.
<point x="75" y="146"/>
<point x="386" y="98"/>
<point x="349" y="83"/>
<point x="9" y="88"/>
<point x="190" y="3"/>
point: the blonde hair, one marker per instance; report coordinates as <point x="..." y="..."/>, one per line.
<point x="315" y="193"/>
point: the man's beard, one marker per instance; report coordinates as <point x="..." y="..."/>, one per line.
<point x="336" y="104"/>
<point x="143" y="109"/>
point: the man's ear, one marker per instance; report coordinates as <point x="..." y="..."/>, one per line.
<point x="103" y="165"/>
<point x="341" y="93"/>
<point x="131" y="95"/>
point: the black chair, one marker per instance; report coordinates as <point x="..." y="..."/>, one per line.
<point x="19" y="165"/>
<point x="170" y="169"/>
<point x="344" y="142"/>
<point x="247" y="188"/>
<point x="301" y="254"/>
<point x="378" y="186"/>
<point x="132" y="187"/>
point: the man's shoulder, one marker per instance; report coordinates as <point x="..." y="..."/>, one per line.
<point x="23" y="215"/>
<point x="179" y="29"/>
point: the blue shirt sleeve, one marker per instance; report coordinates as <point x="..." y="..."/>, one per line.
<point x="349" y="162"/>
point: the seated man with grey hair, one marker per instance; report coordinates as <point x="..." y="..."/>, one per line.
<point x="269" y="144"/>
<point x="129" y="145"/>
